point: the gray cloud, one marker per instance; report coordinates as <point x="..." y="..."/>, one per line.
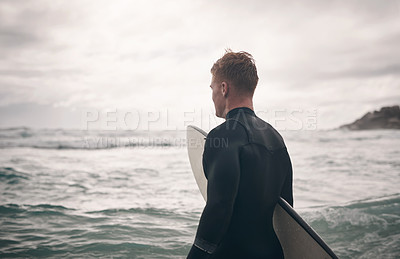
<point x="158" y="54"/>
<point x="30" y="73"/>
<point x="12" y="38"/>
<point x="363" y="72"/>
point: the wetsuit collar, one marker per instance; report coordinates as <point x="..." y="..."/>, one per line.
<point x="235" y="111"/>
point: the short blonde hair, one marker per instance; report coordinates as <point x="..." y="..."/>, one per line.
<point x="238" y="68"/>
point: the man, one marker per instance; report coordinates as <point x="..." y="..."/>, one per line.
<point x="246" y="176"/>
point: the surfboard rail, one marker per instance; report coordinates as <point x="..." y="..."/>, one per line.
<point x="289" y="210"/>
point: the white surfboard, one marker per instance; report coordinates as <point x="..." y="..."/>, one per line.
<point x="297" y="238"/>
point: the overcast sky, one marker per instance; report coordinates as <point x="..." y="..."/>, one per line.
<point x="59" y="58"/>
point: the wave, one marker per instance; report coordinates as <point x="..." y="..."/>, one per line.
<point x="23" y="137"/>
<point x="56" y="146"/>
<point x="31" y="210"/>
<point x="27" y="209"/>
<point x="355" y="213"/>
<point x="364" y="229"/>
<point x="10" y="175"/>
<point x="147" y="211"/>
<point x="57" y="139"/>
<point x="15" y="128"/>
<point x="361" y="226"/>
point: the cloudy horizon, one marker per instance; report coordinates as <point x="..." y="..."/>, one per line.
<point x="59" y="58"/>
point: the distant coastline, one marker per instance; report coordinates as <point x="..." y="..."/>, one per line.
<point x="385" y="118"/>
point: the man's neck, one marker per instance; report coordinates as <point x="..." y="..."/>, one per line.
<point x="248" y="103"/>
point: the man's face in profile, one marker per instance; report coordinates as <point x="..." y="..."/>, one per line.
<point x="217" y="97"/>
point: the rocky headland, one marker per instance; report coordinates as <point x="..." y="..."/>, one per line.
<point x="385" y="118"/>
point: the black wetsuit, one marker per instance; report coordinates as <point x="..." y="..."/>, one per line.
<point x="248" y="167"/>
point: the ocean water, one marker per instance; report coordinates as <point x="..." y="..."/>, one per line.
<point x="129" y="194"/>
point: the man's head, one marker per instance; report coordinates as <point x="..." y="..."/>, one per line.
<point x="234" y="79"/>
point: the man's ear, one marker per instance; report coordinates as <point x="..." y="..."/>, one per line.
<point x="225" y="89"/>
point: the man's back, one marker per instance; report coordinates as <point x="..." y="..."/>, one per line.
<point x="245" y="193"/>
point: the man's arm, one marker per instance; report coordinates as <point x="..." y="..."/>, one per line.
<point x="287" y="188"/>
<point x="222" y="168"/>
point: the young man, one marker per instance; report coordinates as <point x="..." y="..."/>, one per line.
<point x="246" y="176"/>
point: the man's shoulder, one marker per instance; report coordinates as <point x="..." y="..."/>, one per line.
<point x="228" y="128"/>
<point x="228" y="131"/>
<point x="261" y="132"/>
<point x="265" y="134"/>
